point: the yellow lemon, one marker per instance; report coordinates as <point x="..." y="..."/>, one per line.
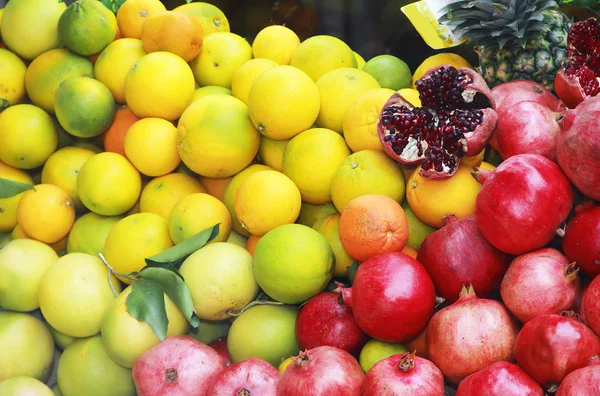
<point x="46" y="213"/>
<point x="276" y="43"/>
<point x="210" y="16"/>
<point x="222" y="53"/>
<point x="135" y="238"/>
<point x="361" y="118"/>
<point x="329" y="227"/>
<point x="162" y="193"/>
<point x="366" y="172"/>
<point x="89" y="233"/>
<point x="210" y="90"/>
<point x="360" y="61"/>
<point x="309" y="213"/>
<point x="62" y="170"/>
<point x="231" y="191"/>
<point x="115" y="61"/>
<point x="443" y="58"/>
<point x="12" y="79"/>
<point x="215" y="186"/>
<point x="215" y="136"/>
<point x="8" y="206"/>
<point x="311" y="159"/>
<point x="133" y="13"/>
<point x="108" y="184"/>
<point x="28" y="136"/>
<point x="319" y="54"/>
<point x="338" y="89"/>
<point x="151" y="146"/>
<point x="160" y="84"/>
<point x="271" y="151"/>
<point x="412" y="95"/>
<point x="196" y="212"/>
<point x="431" y="200"/>
<point x="283" y="102"/>
<point x="245" y="76"/>
<point x="267" y="200"/>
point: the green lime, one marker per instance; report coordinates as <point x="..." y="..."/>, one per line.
<point x="267" y="332"/>
<point x="89" y="233"/>
<point x="309" y="213"/>
<point x="292" y="263"/>
<point x="375" y="350"/>
<point x="389" y="71"/>
<point x="61" y="339"/>
<point x="417" y="230"/>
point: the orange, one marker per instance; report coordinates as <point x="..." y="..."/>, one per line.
<point x="409" y="251"/>
<point x="133" y="13"/>
<point x="180" y="34"/>
<point x="114" y="138"/>
<point x="46" y="213"/>
<point x="196" y="212"/>
<point x="251" y="243"/>
<point x="162" y="193"/>
<point x="214" y="186"/>
<point x="373" y="224"/>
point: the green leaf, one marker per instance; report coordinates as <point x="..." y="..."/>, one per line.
<point x="113" y="5"/>
<point x="173" y="285"/>
<point x="352" y="271"/>
<point x="146" y="303"/>
<point x="180" y="252"/>
<point x="10" y="188"/>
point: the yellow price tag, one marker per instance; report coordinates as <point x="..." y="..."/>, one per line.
<point x="424" y="15"/>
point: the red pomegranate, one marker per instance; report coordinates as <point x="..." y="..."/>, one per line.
<point x="322" y="371"/>
<point x="469" y="335"/>
<point x="551" y="346"/>
<point x="499" y="379"/>
<point x="582" y="382"/>
<point x="578" y="144"/>
<point x="404" y="375"/>
<point x="481" y="264"/>
<point x="508" y="94"/>
<point x="326" y="320"/>
<point x="249" y="377"/>
<point x="591" y="304"/>
<point x="220" y="345"/>
<point x="457" y="119"/>
<point x="392" y="297"/>
<point x="522" y="203"/>
<point x="581" y="242"/>
<point x="179" y="366"/>
<point x="540" y="282"/>
<point x="579" y="81"/>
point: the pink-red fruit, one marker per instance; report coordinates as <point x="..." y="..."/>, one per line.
<point x="582" y="382"/>
<point x="249" y="377"/>
<point x="581" y="242"/>
<point x="499" y="379"/>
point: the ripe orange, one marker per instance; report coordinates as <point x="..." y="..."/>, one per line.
<point x="133" y="13"/>
<point x="175" y="32"/>
<point x="251" y="243"/>
<point x="373" y="224"/>
<point x="114" y="138"/>
<point x="215" y="186"/>
<point x="409" y="251"/>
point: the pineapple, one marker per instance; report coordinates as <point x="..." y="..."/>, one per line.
<point x="515" y="39"/>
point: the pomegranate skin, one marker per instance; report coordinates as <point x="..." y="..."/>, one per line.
<point x="178" y="366"/>
<point x="591" y="305"/>
<point x="403" y="375"/>
<point x="469" y="335"/>
<point x="476" y="262"/>
<point x="581" y="242"/>
<point x="540" y="282"/>
<point x="578" y="145"/>
<point x="522" y="203"/>
<point x="499" y="379"/>
<point x="551" y="346"/>
<point x="253" y="376"/>
<point x="322" y="371"/>
<point x="582" y="382"/>
<point x="325" y="320"/>
<point x="220" y="345"/>
<point x="392" y="297"/>
<point x="528" y="128"/>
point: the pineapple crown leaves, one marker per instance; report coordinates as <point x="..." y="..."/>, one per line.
<point x="497" y="23"/>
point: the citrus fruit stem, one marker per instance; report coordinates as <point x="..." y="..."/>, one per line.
<point x="258" y="301"/>
<point x="111" y="271"/>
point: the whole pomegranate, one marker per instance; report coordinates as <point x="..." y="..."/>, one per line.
<point x="220" y="345"/>
<point x="499" y="379"/>
<point x="540" y="282"/>
<point x="404" y="375"/>
<point x="551" y="346"/>
<point x="591" y="304"/>
<point x="177" y="366"/>
<point x="457" y="119"/>
<point x="249" y="377"/>
<point x="582" y="382"/>
<point x="508" y="94"/>
<point x="581" y="242"/>
<point x="478" y="263"/>
<point x="392" y="297"/>
<point x="326" y="320"/>
<point x="578" y="145"/>
<point x="579" y="80"/>
<point x="322" y="371"/>
<point x="522" y="203"/>
<point x="469" y="335"/>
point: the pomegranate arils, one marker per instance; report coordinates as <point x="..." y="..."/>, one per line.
<point x="584" y="44"/>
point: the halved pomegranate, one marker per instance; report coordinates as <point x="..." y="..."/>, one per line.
<point x="457" y="119"/>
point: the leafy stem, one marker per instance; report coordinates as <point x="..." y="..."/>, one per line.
<point x="111" y="271"/>
<point x="260" y="300"/>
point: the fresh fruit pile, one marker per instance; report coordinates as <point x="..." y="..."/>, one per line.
<point x="186" y="212"/>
